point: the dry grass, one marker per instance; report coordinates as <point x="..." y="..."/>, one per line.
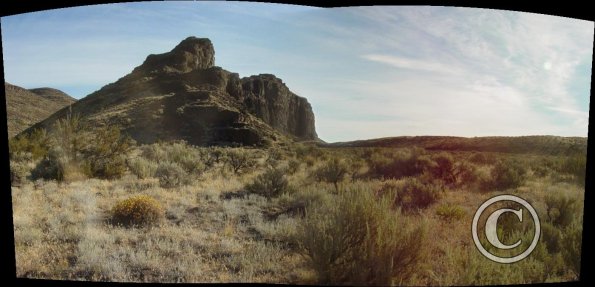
<point x="203" y="239"/>
<point x="62" y="230"/>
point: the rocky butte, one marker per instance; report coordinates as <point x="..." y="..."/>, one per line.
<point x="182" y="95"/>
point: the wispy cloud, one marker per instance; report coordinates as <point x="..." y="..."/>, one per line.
<point x="411" y="64"/>
<point x="368" y="71"/>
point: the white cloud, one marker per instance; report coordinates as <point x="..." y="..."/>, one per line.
<point x="448" y="71"/>
<point x="413" y="64"/>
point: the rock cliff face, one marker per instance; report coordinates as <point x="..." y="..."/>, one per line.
<point x="267" y="97"/>
<point x="182" y="95"/>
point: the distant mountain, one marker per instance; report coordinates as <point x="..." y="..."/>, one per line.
<point x="182" y="95"/>
<point x="27" y="107"/>
<point x="553" y="145"/>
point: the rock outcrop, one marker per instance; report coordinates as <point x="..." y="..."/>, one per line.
<point x="182" y="95"/>
<point x="267" y="97"/>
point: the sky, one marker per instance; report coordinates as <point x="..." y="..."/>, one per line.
<point x="368" y="72"/>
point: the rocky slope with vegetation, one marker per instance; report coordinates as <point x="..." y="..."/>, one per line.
<point x="27" y="107"/>
<point x="182" y="95"/>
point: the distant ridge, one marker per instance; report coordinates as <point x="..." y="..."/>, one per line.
<point x="27" y="107"/>
<point x="553" y="145"/>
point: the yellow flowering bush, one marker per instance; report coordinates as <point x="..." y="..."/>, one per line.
<point x="140" y="210"/>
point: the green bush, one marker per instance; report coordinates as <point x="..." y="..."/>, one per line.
<point x="214" y="155"/>
<point x="239" y="160"/>
<point x="106" y="157"/>
<point x="57" y="166"/>
<point x="37" y="144"/>
<point x="552" y="237"/>
<point x="358" y="240"/>
<point x="274" y="156"/>
<point x="171" y="174"/>
<point x="444" y="167"/>
<point x="71" y="136"/>
<point x="451" y="172"/>
<point x="19" y="171"/>
<point x="293" y="166"/>
<point x="77" y="153"/>
<point x="449" y="213"/>
<point x="142" y="167"/>
<point x="305" y="150"/>
<point x="188" y="157"/>
<point x="356" y="168"/>
<point x="399" y="164"/>
<point x="540" y="170"/>
<point x="561" y="209"/>
<point x="141" y="210"/>
<point x="506" y="174"/>
<point x="271" y="183"/>
<point x="575" y="165"/>
<point x="332" y="171"/>
<point x="482" y="158"/>
<point x="410" y="193"/>
<point x="571" y="246"/>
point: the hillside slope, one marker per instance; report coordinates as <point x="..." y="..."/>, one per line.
<point x="27" y="107"/>
<point x="553" y="145"/>
<point x="182" y="95"/>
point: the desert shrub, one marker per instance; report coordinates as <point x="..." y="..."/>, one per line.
<point x="57" y="166"/>
<point x="399" y="164"/>
<point x="416" y="194"/>
<point x="19" y="171"/>
<point x="304" y="150"/>
<point x="466" y="174"/>
<point x="188" y="157"/>
<point x="448" y="212"/>
<point x="561" y="209"/>
<point x="356" y="168"/>
<point x="310" y="161"/>
<point x="303" y="198"/>
<point x="141" y="210"/>
<point x="142" y="167"/>
<point x="271" y="183"/>
<point x="239" y="160"/>
<point x="106" y="157"/>
<point x="482" y="158"/>
<point x="171" y="174"/>
<point x="444" y="167"/>
<point x="64" y="160"/>
<point x="78" y="153"/>
<point x="451" y="172"/>
<point x="571" y="246"/>
<point x="332" y="171"/>
<point x="50" y="167"/>
<point x="71" y="137"/>
<point x="552" y="237"/>
<point x="37" y="144"/>
<point x="575" y="165"/>
<point x="274" y="156"/>
<point x="215" y="155"/>
<point x="293" y="166"/>
<point x="540" y="170"/>
<point x="506" y="174"/>
<point x="360" y="240"/>
<point x="410" y="193"/>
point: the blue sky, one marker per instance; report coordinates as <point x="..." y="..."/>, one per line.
<point x="367" y="71"/>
